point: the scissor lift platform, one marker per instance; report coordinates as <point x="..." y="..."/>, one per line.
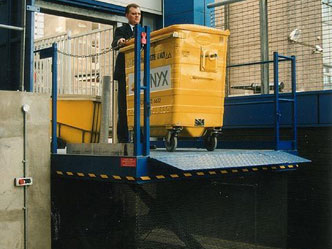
<point x="164" y="166"/>
<point x="134" y="162"/>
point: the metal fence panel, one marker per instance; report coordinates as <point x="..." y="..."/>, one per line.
<point x="83" y="60"/>
<point x="299" y="27"/>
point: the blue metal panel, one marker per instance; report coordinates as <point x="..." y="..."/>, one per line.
<point x="147" y="105"/>
<point x="54" y="146"/>
<point x="85" y="164"/>
<point x="5" y="46"/>
<point x="201" y="12"/>
<point x="178" y="11"/>
<point x="248" y="111"/>
<point x="285" y="145"/>
<point x="188" y="160"/>
<point x="137" y="92"/>
<point x="30" y="35"/>
<point x="10" y="45"/>
<point x="142" y="41"/>
<point x="159" y="22"/>
<point x="187" y="11"/>
<point x="313" y="109"/>
<point x="163" y="166"/>
<point x="142" y="167"/>
<point x="276" y="100"/>
<point x="307" y="109"/>
<point x="325" y="108"/>
<point x="180" y="18"/>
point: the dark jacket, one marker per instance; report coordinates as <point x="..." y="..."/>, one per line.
<point x="121" y="32"/>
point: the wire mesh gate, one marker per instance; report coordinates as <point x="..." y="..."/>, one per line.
<point x="202" y="214"/>
<point x="259" y="27"/>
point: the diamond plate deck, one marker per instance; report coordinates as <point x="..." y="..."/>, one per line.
<point x="188" y="160"/>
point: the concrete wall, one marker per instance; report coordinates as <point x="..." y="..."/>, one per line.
<point x="11" y="166"/>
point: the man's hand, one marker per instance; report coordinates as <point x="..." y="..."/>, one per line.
<point x="121" y="42"/>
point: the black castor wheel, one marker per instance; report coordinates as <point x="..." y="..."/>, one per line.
<point x="171" y="142"/>
<point x="211" y="142"/>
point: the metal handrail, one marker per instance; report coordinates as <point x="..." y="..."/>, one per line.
<point x="139" y="147"/>
<point x="276" y="59"/>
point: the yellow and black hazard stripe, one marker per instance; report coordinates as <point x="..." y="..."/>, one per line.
<point x="183" y="175"/>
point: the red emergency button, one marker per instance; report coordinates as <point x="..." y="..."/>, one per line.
<point x="143" y="38"/>
<point x="23" y="181"/>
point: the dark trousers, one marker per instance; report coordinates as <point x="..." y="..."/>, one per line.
<point x="123" y="135"/>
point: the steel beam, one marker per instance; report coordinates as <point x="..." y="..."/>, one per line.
<point x="213" y="5"/>
<point x="79" y="13"/>
<point x="4" y="26"/>
<point x="22" y="56"/>
<point x="29" y="46"/>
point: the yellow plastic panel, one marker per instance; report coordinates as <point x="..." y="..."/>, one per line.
<point x="78" y="119"/>
<point x="188" y="67"/>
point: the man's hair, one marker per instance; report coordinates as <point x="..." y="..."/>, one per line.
<point x="132" y="5"/>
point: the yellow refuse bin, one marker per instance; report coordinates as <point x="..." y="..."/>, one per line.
<point x="188" y="67"/>
<point x="78" y="119"/>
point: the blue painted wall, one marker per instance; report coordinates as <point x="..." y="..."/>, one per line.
<point x="201" y="12"/>
<point x="186" y="12"/>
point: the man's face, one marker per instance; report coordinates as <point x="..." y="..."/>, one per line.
<point x="134" y="16"/>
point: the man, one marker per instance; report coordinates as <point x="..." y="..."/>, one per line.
<point x="133" y="14"/>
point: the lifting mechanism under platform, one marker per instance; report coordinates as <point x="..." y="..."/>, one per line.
<point x="134" y="163"/>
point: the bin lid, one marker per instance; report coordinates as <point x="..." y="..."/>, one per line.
<point x="189" y="27"/>
<point x="165" y="32"/>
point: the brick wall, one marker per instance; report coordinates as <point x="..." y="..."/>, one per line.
<point x="284" y="16"/>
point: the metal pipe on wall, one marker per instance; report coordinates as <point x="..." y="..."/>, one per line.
<point x="25" y="109"/>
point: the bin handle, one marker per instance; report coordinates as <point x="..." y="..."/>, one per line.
<point x="194" y="77"/>
<point x="207" y="54"/>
